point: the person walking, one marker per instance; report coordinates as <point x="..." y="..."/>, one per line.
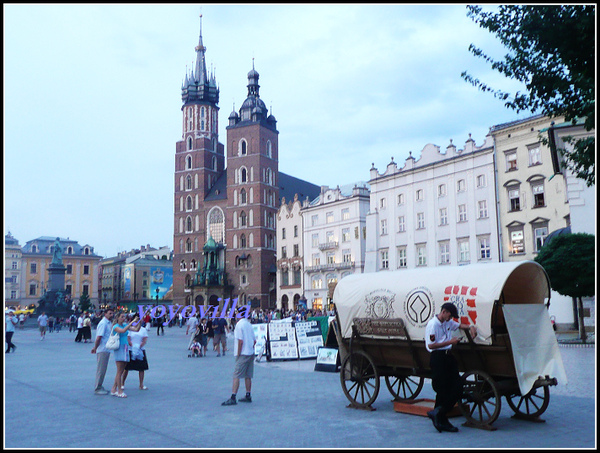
<point x="42" y="325"/>
<point x="10" y="321"/>
<point x="79" y="336"/>
<point x="220" y="339"/>
<point x="86" y="331"/>
<point x="121" y="355"/>
<point x="102" y="354"/>
<point x="138" y="361"/>
<point x="445" y="378"/>
<point x="159" y="325"/>
<point x="72" y="322"/>
<point x="243" y="350"/>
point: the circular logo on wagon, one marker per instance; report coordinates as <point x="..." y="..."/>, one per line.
<point x="419" y="306"/>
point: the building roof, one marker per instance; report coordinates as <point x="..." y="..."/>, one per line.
<point x="290" y="186"/>
<point x="219" y="190"/>
<point x="44" y="242"/>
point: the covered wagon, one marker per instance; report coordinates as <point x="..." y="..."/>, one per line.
<point x="380" y="329"/>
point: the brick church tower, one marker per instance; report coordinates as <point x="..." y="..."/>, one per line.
<point x="253" y="192"/>
<point x="224" y="218"/>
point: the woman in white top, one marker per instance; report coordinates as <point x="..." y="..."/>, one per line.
<point x="137" y="355"/>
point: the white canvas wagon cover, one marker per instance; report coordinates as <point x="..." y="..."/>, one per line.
<point x="416" y="295"/>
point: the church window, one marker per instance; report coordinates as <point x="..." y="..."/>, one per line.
<point x="243" y="147"/>
<point x="243" y="175"/>
<point x="269" y="149"/>
<point x="216" y="224"/>
<point x="188" y="225"/>
<point x="243" y="241"/>
<point x="189" y="203"/>
<point x="189" y="142"/>
<point x="243" y="197"/>
<point x="188" y="182"/>
<point x="188" y="163"/>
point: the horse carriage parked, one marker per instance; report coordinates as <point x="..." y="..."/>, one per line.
<point x="380" y="328"/>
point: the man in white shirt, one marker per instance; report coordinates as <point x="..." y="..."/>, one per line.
<point x="445" y="378"/>
<point x="102" y="354"/>
<point x="42" y="324"/>
<point x="79" y="336"/>
<point x="243" y="350"/>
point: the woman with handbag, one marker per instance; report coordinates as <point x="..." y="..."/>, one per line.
<point x="121" y="327"/>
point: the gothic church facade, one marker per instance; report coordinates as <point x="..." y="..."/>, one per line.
<point x="226" y="198"/>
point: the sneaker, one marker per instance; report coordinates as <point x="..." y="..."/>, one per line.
<point x="101" y="392"/>
<point x="246" y="399"/>
<point x="229" y="402"/>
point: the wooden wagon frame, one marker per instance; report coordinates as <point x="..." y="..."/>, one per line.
<point x="393" y="347"/>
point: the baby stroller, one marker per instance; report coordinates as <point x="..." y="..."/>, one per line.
<point x="195" y="347"/>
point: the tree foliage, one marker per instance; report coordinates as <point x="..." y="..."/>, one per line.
<point x="84" y="302"/>
<point x="552" y="52"/>
<point x="569" y="262"/>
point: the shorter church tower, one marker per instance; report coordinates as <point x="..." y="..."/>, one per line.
<point x="253" y="194"/>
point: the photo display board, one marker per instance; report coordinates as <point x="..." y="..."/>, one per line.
<point x="260" y="333"/>
<point x="309" y="338"/>
<point x="282" y="341"/>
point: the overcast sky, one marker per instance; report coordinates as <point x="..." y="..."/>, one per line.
<point x="92" y="101"/>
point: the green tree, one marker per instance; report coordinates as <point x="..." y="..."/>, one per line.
<point x="551" y="50"/>
<point x="569" y="261"/>
<point x="84" y="302"/>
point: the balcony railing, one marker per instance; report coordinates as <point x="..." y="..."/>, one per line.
<point x="330" y="267"/>
<point x="328" y="245"/>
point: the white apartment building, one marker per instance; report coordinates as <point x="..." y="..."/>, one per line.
<point x="334" y="232"/>
<point x="290" y="265"/>
<point x="532" y="200"/>
<point x="435" y="211"/>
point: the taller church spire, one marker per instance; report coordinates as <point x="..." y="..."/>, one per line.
<point x="199" y="86"/>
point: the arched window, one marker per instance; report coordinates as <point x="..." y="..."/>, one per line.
<point x="188" y="163"/>
<point x="243" y="222"/>
<point x="188" y="225"/>
<point x="188" y="182"/>
<point x="243" y="147"/>
<point x="243" y="241"/>
<point x="243" y="175"/>
<point x="243" y="197"/>
<point x="216" y="224"/>
<point x="214" y="163"/>
<point x="182" y="265"/>
<point x="190" y="142"/>
<point x="189" y="203"/>
<point x="269" y="149"/>
<point x="188" y="246"/>
<point x="193" y="265"/>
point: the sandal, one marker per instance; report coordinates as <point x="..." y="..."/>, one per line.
<point x="121" y="395"/>
<point x="144" y="388"/>
<point x="113" y="393"/>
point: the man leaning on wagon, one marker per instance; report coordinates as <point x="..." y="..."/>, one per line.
<point x="445" y="378"/>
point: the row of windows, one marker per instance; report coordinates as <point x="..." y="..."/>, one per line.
<point x="517" y="242"/>
<point x="482" y="213"/>
<point x="329" y="217"/>
<point x="330" y="257"/>
<point x="242" y="148"/>
<point x="514" y="195"/>
<point x="189" y="163"/>
<point x="534" y="157"/>
<point x="202" y="121"/>
<point x="33" y="269"/>
<point x="461" y="186"/>
<point x="243" y="241"/>
<point x="34" y="287"/>
<point x="50" y="249"/>
<point x="463" y="253"/>
<point x="295" y="280"/>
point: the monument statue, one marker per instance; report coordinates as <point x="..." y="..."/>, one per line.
<point x="57" y="254"/>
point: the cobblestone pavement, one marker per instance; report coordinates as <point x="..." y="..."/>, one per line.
<point x="49" y="403"/>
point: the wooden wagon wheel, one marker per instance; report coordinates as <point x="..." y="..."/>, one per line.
<point x="404" y="387"/>
<point x="480" y="402"/>
<point x="360" y="380"/>
<point x="530" y="406"/>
